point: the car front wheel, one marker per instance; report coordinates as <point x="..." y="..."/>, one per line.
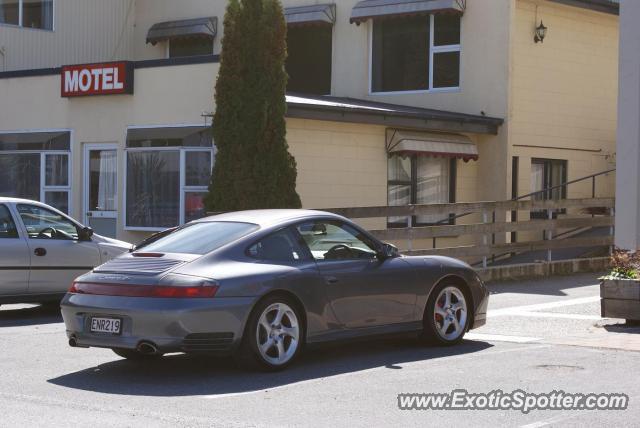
<point x="273" y="337"/>
<point x="447" y="315"/>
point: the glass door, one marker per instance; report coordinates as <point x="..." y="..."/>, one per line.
<point x="101" y="188"/>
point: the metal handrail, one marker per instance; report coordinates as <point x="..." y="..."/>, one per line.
<point x="528" y="195"/>
<point x="548" y="189"/>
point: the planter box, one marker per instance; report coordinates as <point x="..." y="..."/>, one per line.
<point x="620" y="298"/>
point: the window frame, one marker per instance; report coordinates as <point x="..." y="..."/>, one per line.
<point x="333" y="52"/>
<point x="43" y="167"/>
<point x="167" y="52"/>
<point x="413" y="183"/>
<point x="184" y="189"/>
<point x="432" y="50"/>
<point x="21" y="16"/>
<point x="546" y="168"/>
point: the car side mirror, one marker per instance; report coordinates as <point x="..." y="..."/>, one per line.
<point x="388" y="251"/>
<point x="85" y="234"/>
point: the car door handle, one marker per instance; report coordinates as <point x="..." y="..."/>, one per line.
<point x="331" y="279"/>
<point x="40" y="252"/>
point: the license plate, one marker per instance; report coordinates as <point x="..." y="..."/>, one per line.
<point x="106" y="325"/>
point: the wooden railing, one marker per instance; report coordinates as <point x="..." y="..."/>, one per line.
<point x="577" y="214"/>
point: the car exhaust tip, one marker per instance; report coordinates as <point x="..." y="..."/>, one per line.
<point x="147" y="348"/>
<point x="73" y="342"/>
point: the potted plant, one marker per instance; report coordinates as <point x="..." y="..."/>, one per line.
<point x="620" y="289"/>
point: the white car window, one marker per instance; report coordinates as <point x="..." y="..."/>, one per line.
<point x="330" y="240"/>
<point x="7" y="225"/>
<point x="42" y="223"/>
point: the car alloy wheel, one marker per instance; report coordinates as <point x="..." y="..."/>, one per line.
<point x="450" y="313"/>
<point x="278" y="334"/>
<point x="447" y="315"/>
<point x="274" y="335"/>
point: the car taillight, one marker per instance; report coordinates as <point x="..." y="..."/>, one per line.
<point x="206" y="289"/>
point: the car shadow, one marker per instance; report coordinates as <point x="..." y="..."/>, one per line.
<point x="552" y="286"/>
<point x="182" y="375"/>
<point x="25" y="315"/>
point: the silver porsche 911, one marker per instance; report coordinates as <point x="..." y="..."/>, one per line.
<point x="262" y="284"/>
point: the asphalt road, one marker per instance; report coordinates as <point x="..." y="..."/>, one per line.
<point x="44" y="382"/>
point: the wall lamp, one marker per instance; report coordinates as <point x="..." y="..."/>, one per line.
<point x="541" y="33"/>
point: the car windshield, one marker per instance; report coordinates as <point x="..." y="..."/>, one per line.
<point x="200" y="238"/>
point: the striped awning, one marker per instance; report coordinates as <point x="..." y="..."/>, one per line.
<point x="198" y="27"/>
<point x="431" y="144"/>
<point x="368" y="9"/>
<point x="317" y="14"/>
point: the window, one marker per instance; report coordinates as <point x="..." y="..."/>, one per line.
<point x="280" y="246"/>
<point x="27" y="13"/>
<point x="546" y="174"/>
<point x="26" y="157"/>
<point x="420" y="180"/>
<point x="168" y="173"/>
<point x="190" y="46"/>
<point x="415" y="53"/>
<point x="7" y="225"/>
<point x="42" y="223"/>
<point x="201" y="238"/>
<point x="332" y="240"/>
<point x="309" y="51"/>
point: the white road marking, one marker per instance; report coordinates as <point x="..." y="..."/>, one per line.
<point x="501" y="338"/>
<point x="553" y="315"/>
<point x="543" y="306"/>
<point x="547" y="422"/>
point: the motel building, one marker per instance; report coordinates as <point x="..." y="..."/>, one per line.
<point x="105" y="105"/>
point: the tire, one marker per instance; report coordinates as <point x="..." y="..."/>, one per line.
<point x="133" y="355"/>
<point x="447" y="315"/>
<point x="274" y="335"/>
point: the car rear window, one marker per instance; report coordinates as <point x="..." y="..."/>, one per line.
<point x="201" y="238"/>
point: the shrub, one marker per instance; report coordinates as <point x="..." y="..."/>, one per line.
<point x="624" y="264"/>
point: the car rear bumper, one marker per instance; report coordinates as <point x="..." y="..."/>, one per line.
<point x="173" y="325"/>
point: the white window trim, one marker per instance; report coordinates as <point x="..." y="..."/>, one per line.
<point x="432" y="50"/>
<point x="183" y="188"/>
<point x="42" y="153"/>
<point x="44" y="187"/>
<point x="19" y="25"/>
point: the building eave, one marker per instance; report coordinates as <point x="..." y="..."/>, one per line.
<point x="335" y="109"/>
<point x="605" y="6"/>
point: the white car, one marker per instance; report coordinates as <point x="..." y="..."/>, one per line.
<point x="43" y="250"/>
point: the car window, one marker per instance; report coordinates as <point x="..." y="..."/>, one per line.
<point x="201" y="238"/>
<point x="7" y="225"/>
<point x="330" y="240"/>
<point x="42" y="223"/>
<point x="280" y="246"/>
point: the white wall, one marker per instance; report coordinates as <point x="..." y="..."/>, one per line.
<point x="628" y="144"/>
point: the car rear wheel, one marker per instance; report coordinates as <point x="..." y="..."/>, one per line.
<point x="133" y="355"/>
<point x="273" y="337"/>
<point x="447" y="315"/>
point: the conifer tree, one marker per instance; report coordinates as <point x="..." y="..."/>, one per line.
<point x="253" y="167"/>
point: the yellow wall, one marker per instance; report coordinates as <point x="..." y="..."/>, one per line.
<point x="84" y="31"/>
<point x="564" y="92"/>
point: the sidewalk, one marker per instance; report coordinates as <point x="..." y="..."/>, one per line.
<point x="563" y="310"/>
